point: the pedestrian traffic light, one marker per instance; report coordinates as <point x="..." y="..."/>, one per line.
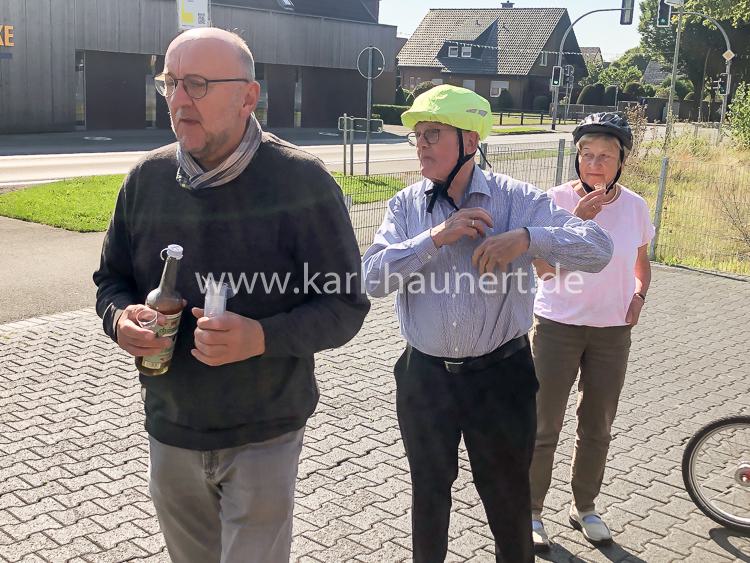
<point x="626" y="15"/>
<point x="664" y="14"/>
<point x="721" y="84"/>
<point x="557" y="75"/>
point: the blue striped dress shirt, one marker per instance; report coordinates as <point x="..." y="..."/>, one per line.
<point x="443" y="308"/>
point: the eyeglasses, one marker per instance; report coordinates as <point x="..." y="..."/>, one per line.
<point x="432" y="136"/>
<point x="195" y="86"/>
<point x="590" y="159"/>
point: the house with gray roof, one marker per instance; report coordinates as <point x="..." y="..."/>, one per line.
<point x="592" y="55"/>
<point x="490" y="50"/>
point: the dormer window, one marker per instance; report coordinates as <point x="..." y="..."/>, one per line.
<point x="466" y="52"/>
<point x="453" y="51"/>
<point x="286" y="4"/>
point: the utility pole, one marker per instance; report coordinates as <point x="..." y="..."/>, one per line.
<point x="670" y="117"/>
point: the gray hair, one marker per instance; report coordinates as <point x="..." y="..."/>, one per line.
<point x="590" y="137"/>
<point x="245" y="55"/>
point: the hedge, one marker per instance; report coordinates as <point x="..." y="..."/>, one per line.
<point x="390" y="114"/>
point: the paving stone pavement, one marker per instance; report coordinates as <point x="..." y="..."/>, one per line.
<point x="74" y="454"/>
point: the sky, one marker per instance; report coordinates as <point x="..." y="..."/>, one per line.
<point x="597" y="30"/>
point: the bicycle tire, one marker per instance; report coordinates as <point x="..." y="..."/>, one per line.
<point x="694" y="487"/>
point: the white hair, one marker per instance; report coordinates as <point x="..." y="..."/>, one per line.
<point x="614" y="141"/>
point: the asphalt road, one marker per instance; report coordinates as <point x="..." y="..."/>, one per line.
<point x="394" y="156"/>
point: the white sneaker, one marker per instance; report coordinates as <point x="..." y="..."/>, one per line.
<point x="539" y="536"/>
<point x="591" y="525"/>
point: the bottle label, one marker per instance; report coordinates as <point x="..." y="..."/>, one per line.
<point x="167" y="330"/>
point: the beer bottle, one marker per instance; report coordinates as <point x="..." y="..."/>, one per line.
<point x="168" y="301"/>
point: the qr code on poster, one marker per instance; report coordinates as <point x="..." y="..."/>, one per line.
<point x="201" y="18"/>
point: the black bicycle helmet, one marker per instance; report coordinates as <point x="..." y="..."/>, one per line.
<point x="605" y="123"/>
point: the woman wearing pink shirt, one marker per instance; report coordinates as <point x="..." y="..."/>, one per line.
<point x="584" y="324"/>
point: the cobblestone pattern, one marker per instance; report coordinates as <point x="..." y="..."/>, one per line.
<point x="74" y="454"/>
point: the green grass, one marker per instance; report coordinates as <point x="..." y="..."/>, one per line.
<point x="370" y="189"/>
<point x="79" y="204"/>
<point x="86" y="204"/>
<point x="528" y="119"/>
<point x="517" y="130"/>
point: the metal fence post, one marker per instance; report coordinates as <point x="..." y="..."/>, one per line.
<point x="482" y="159"/>
<point x="659" y="206"/>
<point x="345" y="139"/>
<point x="351" y="147"/>
<point x="560" y="161"/>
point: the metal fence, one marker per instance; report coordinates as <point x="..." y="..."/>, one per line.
<point x="703" y="220"/>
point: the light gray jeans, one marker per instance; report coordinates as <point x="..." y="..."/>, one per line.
<point x="230" y="505"/>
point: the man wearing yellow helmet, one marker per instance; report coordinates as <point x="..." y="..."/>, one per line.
<point x="467" y="369"/>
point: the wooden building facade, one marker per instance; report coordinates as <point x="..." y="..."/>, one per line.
<point x="90" y="63"/>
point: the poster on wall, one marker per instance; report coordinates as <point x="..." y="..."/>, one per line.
<point x="193" y="13"/>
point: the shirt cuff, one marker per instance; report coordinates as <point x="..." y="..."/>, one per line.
<point x="424" y="247"/>
<point x="540" y="242"/>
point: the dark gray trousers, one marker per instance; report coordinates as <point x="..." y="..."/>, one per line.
<point x="229" y="505"/>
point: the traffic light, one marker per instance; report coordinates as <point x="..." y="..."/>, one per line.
<point x="557" y="75"/>
<point x="664" y="14"/>
<point x="569" y="75"/>
<point x="626" y="15"/>
<point x="721" y="84"/>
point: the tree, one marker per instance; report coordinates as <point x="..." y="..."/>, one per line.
<point x="739" y="116"/>
<point x="634" y="57"/>
<point x="594" y="70"/>
<point x="698" y="36"/>
<point x="620" y="75"/>
<point x="648" y="90"/>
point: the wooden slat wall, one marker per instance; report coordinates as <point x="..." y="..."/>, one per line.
<point x="37" y="86"/>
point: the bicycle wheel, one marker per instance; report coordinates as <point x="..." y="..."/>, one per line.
<point x="716" y="471"/>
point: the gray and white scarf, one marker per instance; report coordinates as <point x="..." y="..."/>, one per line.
<point x="192" y="177"/>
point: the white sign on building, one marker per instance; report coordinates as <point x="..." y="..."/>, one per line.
<point x="193" y="13"/>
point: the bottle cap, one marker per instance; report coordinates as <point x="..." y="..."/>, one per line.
<point x="174" y="251"/>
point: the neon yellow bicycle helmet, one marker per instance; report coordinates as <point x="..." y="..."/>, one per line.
<point x="451" y="105"/>
<point x="460" y="108"/>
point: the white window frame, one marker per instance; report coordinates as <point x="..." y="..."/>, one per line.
<point x="470" y="85"/>
<point x="543" y="58"/>
<point x="453" y="51"/>
<point x="464" y="50"/>
<point x="497" y="86"/>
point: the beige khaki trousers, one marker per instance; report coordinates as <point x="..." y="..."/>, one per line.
<point x="561" y="352"/>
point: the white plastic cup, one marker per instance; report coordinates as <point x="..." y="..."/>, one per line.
<point x="216" y="299"/>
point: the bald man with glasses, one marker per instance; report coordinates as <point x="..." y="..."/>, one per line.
<point x="226" y="422"/>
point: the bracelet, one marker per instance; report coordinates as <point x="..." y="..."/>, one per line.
<point x="643" y="297"/>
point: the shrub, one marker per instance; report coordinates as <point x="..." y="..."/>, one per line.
<point x="502" y="102"/>
<point x="739" y="116"/>
<point x="593" y="94"/>
<point x="409" y="98"/>
<point x="400" y="98"/>
<point x="633" y="91"/>
<point x="610" y="94"/>
<point x="390" y="114"/>
<point x="422" y="87"/>
<point x="540" y="103"/>
<point x="649" y="91"/>
<point x="690" y="97"/>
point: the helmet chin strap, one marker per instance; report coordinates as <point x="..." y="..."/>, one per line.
<point x="588" y="189"/>
<point x="440" y="189"/>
